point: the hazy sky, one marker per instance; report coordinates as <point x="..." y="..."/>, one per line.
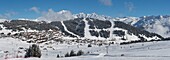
<point x="114" y="8"/>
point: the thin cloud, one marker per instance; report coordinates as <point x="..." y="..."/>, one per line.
<point x="7" y="15"/>
<point x="35" y="9"/>
<point x="130" y="6"/>
<point x="120" y="15"/>
<point x="106" y="2"/>
<point x="52" y="15"/>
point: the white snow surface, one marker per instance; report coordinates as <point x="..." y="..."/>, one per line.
<point x="128" y="20"/>
<point x="157" y="50"/>
<point x="11" y="46"/>
<point x="92" y="15"/>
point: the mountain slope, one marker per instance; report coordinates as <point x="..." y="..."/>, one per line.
<point x="154" y="24"/>
<point x="89" y="28"/>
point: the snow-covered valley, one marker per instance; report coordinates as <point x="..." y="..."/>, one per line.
<point x="13" y="49"/>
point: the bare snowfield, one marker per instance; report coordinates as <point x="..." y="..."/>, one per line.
<point x="157" y="50"/>
<point x="97" y="58"/>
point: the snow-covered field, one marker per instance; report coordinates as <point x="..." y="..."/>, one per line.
<point x="10" y="49"/>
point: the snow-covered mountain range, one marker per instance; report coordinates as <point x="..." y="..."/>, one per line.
<point x="154" y="24"/>
<point x="94" y="26"/>
<point x="84" y="29"/>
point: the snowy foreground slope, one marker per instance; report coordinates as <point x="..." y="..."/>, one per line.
<point x="157" y="50"/>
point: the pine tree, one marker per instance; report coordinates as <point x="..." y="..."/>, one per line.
<point x="67" y="55"/>
<point x="72" y="53"/>
<point x="33" y="51"/>
<point x="58" y="56"/>
<point x="80" y="52"/>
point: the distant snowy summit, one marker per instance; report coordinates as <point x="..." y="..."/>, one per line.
<point x="93" y="15"/>
<point x="155" y="24"/>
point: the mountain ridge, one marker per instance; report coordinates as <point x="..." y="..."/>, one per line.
<point x="85" y="29"/>
<point x="148" y="23"/>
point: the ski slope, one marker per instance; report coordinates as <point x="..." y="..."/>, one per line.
<point x="65" y="28"/>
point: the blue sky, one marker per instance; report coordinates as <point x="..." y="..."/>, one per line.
<point x="114" y="8"/>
